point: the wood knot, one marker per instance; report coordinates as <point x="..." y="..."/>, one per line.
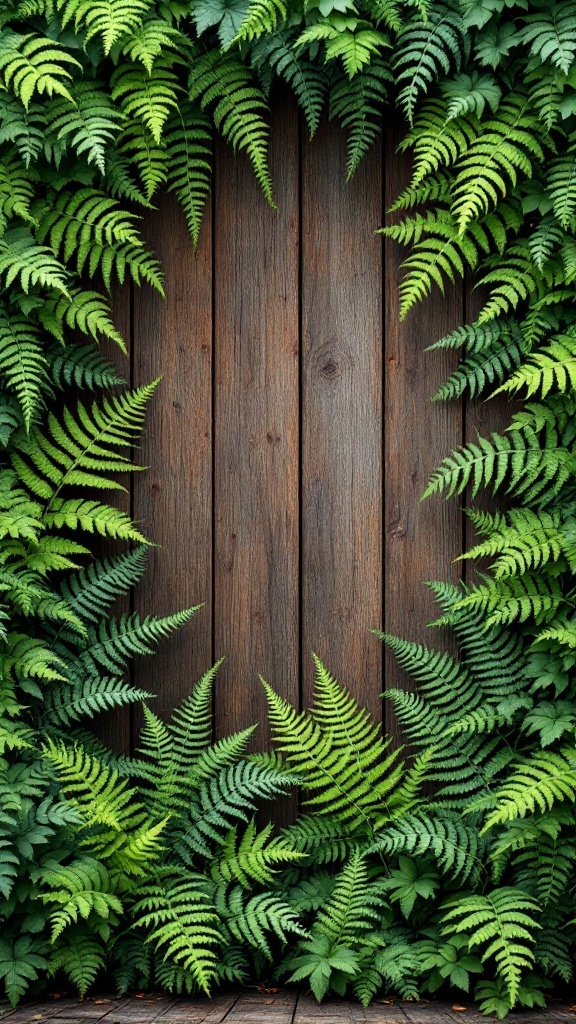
<point x="330" y="370"/>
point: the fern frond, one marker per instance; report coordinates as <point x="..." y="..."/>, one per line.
<point x="538" y="784"/>
<point x="308" y="82"/>
<point x="552" y="367"/>
<point x="251" y="857"/>
<point x="437" y="143"/>
<point x="188" y="143"/>
<point x="550" y="33"/>
<point x="251" y="920"/>
<point x="425" y="49"/>
<point x="80" y="958"/>
<point x="505" y="147"/>
<point x="228" y="798"/>
<point x="222" y="82"/>
<point x="81" y="310"/>
<point x="92" y="228"/>
<point x="148" y="98"/>
<point x="261" y="18"/>
<point x="32" y="64"/>
<point x="504" y="921"/>
<point x="527" y="466"/>
<point x="112" y="642"/>
<point x="339" y="751"/>
<point x="81" y="450"/>
<point x="561" y="187"/>
<point x="92" y="591"/>
<point x="80" y="890"/>
<point x="22" y="362"/>
<point x="108" y="19"/>
<point x="357" y="105"/>
<point x="84" y="367"/>
<point x="22" y="259"/>
<point x="88" y="123"/>
<point x="182" y="925"/>
<point x="68" y="704"/>
<point x="456" y="848"/>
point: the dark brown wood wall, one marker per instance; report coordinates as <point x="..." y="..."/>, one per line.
<point x="293" y="433"/>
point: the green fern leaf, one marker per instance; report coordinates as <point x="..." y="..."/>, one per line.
<point x="109" y="19"/>
<point x="22" y="259"/>
<point x="357" y="104"/>
<point x="504" y="922"/>
<point x="149" y="98"/>
<point x="183" y="925"/>
<point x="32" y="64"/>
<point x="85" y="311"/>
<point x="81" y="450"/>
<point x="537" y="785"/>
<point x="424" y="50"/>
<point x="506" y="146"/>
<point x="89" y="123"/>
<point x="87" y="699"/>
<point x="188" y="144"/>
<point x="150" y="40"/>
<point x="261" y="18"/>
<point x="84" y="367"/>
<point x="92" y="228"/>
<point x="308" y="82"/>
<point x="22" y="362"/>
<point x="92" y="591"/>
<point x="550" y="33"/>
<point x="80" y="957"/>
<point x="340" y="752"/>
<point x="82" y="889"/>
<point x="561" y="187"/>
<point x="224" y="81"/>
<point x="112" y="642"/>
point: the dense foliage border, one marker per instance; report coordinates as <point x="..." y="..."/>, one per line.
<point x="151" y="867"/>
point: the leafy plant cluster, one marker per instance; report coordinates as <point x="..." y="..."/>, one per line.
<point x="152" y="867"/>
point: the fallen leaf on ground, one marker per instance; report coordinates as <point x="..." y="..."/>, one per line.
<point x="460" y="1009"/>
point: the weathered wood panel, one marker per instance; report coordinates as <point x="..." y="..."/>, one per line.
<point x="341" y="416"/>
<point x="292" y="435"/>
<point x="422" y="538"/>
<point x="173" y="498"/>
<point x="256" y="614"/>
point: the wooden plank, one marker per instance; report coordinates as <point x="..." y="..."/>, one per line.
<point x="256" y="432"/>
<point x="422" y="539"/>
<point x="308" y="1011"/>
<point x="341" y="417"/>
<point x="201" y="1011"/>
<point x="277" y="1008"/>
<point x="115" y="728"/>
<point x="173" y="498"/>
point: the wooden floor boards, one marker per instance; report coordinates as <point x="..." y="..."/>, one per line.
<point x="284" y="1007"/>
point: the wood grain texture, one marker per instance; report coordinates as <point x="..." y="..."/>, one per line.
<point x="173" y="498"/>
<point x="341" y="416"/>
<point x="115" y="728"/>
<point x="256" y="432"/>
<point x="422" y="539"/>
<point x="288" y="1006"/>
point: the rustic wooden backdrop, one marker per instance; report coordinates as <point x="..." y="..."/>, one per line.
<point x="293" y="433"/>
